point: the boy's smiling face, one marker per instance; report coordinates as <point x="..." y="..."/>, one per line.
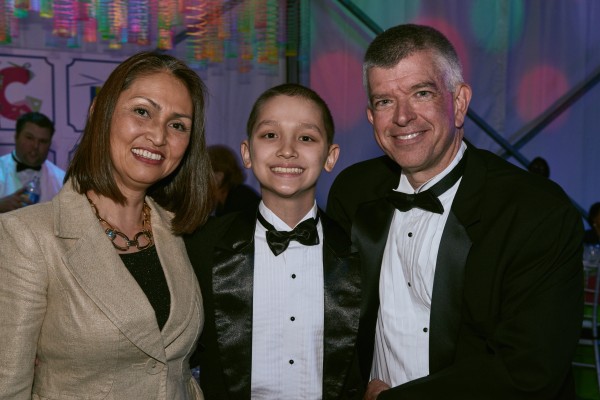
<point x="288" y="149"/>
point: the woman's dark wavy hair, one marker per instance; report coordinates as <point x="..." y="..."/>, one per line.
<point x="188" y="191"/>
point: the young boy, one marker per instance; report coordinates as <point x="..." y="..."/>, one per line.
<point x="281" y="315"/>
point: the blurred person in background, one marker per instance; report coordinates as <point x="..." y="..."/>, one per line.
<point x="231" y="193"/>
<point x="33" y="137"/>
<point x="592" y="235"/>
<point x="539" y="166"/>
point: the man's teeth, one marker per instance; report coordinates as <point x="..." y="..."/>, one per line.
<point x="407" y="137"/>
<point x="283" y="170"/>
<point x="147" y="154"/>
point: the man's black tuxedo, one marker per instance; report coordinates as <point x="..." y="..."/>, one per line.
<point x="507" y="295"/>
<point x="222" y="254"/>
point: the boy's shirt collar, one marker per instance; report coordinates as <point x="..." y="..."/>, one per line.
<point x="274" y="220"/>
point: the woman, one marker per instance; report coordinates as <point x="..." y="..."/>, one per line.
<point x="98" y="297"/>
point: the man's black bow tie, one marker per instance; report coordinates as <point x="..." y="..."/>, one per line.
<point x="304" y="233"/>
<point x="22" y="167"/>
<point x="428" y="199"/>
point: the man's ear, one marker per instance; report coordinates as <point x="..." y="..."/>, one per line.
<point x="462" y="98"/>
<point x="370" y="115"/>
<point x="245" y="152"/>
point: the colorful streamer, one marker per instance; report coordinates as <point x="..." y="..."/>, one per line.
<point x="5" y="22"/>
<point x="218" y="31"/>
<point x="64" y="18"/>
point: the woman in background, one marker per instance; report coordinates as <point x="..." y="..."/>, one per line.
<point x="232" y="194"/>
<point x="97" y="294"/>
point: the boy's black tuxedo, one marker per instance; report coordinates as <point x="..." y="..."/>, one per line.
<point x="222" y="253"/>
<point x="507" y="295"/>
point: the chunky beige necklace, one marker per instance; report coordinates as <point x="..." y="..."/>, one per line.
<point x="114" y="234"/>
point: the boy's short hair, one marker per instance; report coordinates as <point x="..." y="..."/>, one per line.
<point x="292" y="90"/>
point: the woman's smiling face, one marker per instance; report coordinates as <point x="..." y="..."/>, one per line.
<point x="150" y="130"/>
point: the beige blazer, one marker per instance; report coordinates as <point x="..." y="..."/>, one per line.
<point x="67" y="299"/>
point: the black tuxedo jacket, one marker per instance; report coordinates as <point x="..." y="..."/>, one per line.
<point x="222" y="254"/>
<point x="507" y="295"/>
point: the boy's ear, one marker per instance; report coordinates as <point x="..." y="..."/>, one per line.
<point x="332" y="157"/>
<point x="245" y="152"/>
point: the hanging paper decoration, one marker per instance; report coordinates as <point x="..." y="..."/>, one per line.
<point x="217" y="33"/>
<point x="249" y="32"/>
<point x="102" y="18"/>
<point x="118" y="22"/>
<point x="21" y="8"/>
<point x="5" y="22"/>
<point x="138" y="22"/>
<point x="230" y="39"/>
<point x="292" y="28"/>
<point x="260" y="28"/>
<point x="271" y="39"/>
<point x="166" y="18"/>
<point x="246" y="30"/>
<point x="196" y="17"/>
<point x="90" y="23"/>
<point x="64" y="18"/>
<point x="46" y="9"/>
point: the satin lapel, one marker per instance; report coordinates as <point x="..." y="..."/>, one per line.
<point x="369" y="234"/>
<point x="179" y="274"/>
<point x="233" y="277"/>
<point x="101" y="274"/>
<point x="342" y="307"/>
<point x="447" y="294"/>
<point x="459" y="233"/>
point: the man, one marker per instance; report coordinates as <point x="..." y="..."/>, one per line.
<point x="32" y="142"/>
<point x="473" y="288"/>
<point x="540" y="166"/>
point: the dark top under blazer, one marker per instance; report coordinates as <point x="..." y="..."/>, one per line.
<point x="222" y="254"/>
<point x="507" y="295"/>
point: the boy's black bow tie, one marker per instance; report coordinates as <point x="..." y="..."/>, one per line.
<point x="428" y="199"/>
<point x="304" y="233"/>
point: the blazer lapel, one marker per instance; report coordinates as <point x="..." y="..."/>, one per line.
<point x="232" y="280"/>
<point x="101" y="273"/>
<point x="178" y="272"/>
<point x="447" y="293"/>
<point x="446" y="304"/>
<point x="342" y="307"/>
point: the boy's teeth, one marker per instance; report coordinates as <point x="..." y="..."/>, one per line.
<point x="283" y="170"/>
